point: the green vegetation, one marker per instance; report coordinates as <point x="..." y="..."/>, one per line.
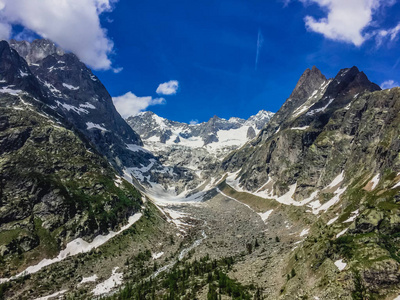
<point x="186" y="279"/>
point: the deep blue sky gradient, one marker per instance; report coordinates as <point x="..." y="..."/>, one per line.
<point x="210" y="48"/>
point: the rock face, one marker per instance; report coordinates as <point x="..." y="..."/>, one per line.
<point x="37" y="50"/>
<point x="73" y="92"/>
<point x="283" y="151"/>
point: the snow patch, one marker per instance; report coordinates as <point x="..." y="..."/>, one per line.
<point x="157" y="255"/>
<point x="69" y="107"/>
<point x="9" y="90"/>
<point x="22" y="73"/>
<point x="338" y="179"/>
<point x="304" y="232"/>
<point x="331" y="221"/>
<point x="52" y="295"/>
<point x="396" y="185"/>
<point x="71" y="87"/>
<point x="300" y="128"/>
<point x="322" y="109"/>
<point x="118" y="181"/>
<point x="91" y="125"/>
<point x="52" y="88"/>
<point x="87" y="105"/>
<point x="176" y="218"/>
<point x="264" y="216"/>
<point x="340" y="264"/>
<point x="341" y="233"/>
<point x="107" y="285"/>
<point x="136" y="148"/>
<point x="335" y="199"/>
<point x="375" y="181"/>
<point x="92" y="278"/>
<point x="353" y="217"/>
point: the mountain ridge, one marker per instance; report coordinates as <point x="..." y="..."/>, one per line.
<point x="305" y="206"/>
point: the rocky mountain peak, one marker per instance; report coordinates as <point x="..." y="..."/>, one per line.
<point x="309" y="81"/>
<point x="36" y="50"/>
<point x="347" y="84"/>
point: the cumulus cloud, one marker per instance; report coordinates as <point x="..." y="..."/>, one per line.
<point x="194" y="122"/>
<point x="168" y="88"/>
<point x="345" y="21"/>
<point x="130" y="104"/>
<point x="388" y="84"/>
<point x="74" y="25"/>
<point x="349" y="21"/>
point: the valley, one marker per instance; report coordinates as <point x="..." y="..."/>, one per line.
<point x="298" y="204"/>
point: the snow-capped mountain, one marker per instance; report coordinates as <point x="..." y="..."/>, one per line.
<point x="70" y="90"/>
<point x="195" y="149"/>
<point x="217" y="136"/>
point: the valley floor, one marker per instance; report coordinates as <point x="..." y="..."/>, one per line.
<point x="220" y="227"/>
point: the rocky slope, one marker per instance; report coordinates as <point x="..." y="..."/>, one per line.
<point x="54" y="186"/>
<point x="333" y="148"/>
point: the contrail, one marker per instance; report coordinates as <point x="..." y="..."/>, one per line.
<point x="260" y="42"/>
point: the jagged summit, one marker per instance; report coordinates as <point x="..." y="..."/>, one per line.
<point x="308" y="82"/>
<point x="154" y="128"/>
<point x="36" y="50"/>
<point x="309" y="114"/>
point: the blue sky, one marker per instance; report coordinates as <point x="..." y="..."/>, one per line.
<point x="210" y="49"/>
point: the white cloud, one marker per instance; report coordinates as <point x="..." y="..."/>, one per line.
<point x="168" y="88"/>
<point x="345" y="21"/>
<point x="194" y="122"/>
<point x="130" y="104"/>
<point x="5" y="30"/>
<point x="350" y="21"/>
<point x="117" y="70"/>
<point x="388" y="34"/>
<point x="72" y="24"/>
<point x="388" y="84"/>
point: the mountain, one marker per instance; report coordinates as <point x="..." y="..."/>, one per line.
<point x="214" y="134"/>
<point x="71" y="90"/>
<point x="192" y="151"/>
<point x="195" y="146"/>
<point x="300" y="204"/>
<point x="332" y="150"/>
<point x="55" y="187"/>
